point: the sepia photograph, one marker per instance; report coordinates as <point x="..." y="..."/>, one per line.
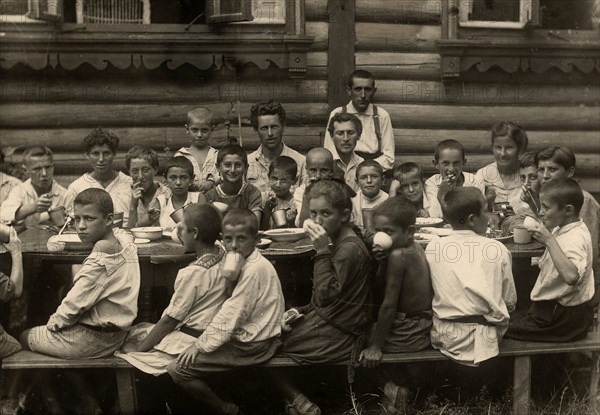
<point x="299" y="207"/>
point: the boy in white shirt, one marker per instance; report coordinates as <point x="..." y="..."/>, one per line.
<point x="562" y="309"/>
<point x="369" y="176"/>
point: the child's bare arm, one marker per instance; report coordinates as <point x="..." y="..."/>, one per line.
<point x="565" y="267"/>
<point x="16" y="272"/>
<point x="164" y="326"/>
<point x="396" y="268"/>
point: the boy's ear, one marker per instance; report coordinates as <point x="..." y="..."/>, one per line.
<point x="196" y="233"/>
<point x="411" y="231"/>
<point x="109" y="218"/>
<point x="571" y="172"/>
<point x="569" y="210"/>
<point x="346" y="213"/>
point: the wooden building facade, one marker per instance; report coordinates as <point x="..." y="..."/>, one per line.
<point x="437" y="75"/>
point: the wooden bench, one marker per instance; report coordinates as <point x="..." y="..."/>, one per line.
<point x="521" y="351"/>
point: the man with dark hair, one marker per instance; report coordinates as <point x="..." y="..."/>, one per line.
<point x="268" y="120"/>
<point x="377" y="139"/>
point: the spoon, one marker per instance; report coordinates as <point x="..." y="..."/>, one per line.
<point x="65" y="225"/>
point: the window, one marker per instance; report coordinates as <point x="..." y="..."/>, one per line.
<point x="508" y="14"/>
<point x="29" y="11"/>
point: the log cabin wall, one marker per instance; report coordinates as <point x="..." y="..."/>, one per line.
<point x="395" y="40"/>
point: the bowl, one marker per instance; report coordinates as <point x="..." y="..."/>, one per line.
<point x="149" y="232"/>
<point x="422" y="222"/>
<point x="263" y="243"/>
<point x="285" y="234"/>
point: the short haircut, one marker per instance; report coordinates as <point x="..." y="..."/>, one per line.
<point x="98" y="197"/>
<point x="139" y="152"/>
<point x="398" y="211"/>
<point x="564" y="192"/>
<point x="448" y="145"/>
<point x="206" y="218"/>
<point x="36" y="151"/>
<point x="285" y="163"/>
<point x="559" y="154"/>
<point x="232" y="149"/>
<point x="100" y="137"/>
<point x="360" y="73"/>
<point x="237" y="217"/>
<point x="369" y="163"/>
<point x="344" y="117"/>
<point x="266" y="108"/>
<point x="200" y="113"/>
<point x="182" y="163"/>
<point x="461" y="202"/>
<point x="407" y="168"/>
<point x="527" y="159"/>
<point x="513" y="131"/>
<point x="333" y="191"/>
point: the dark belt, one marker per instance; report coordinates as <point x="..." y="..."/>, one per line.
<point x="102" y="329"/>
<point x="418" y="314"/>
<point x="190" y="331"/>
<point x="472" y="320"/>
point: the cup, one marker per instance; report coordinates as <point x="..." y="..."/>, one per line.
<point x="118" y="219"/>
<point x="521" y="235"/>
<point x="177" y="215"/>
<point x="280" y="218"/>
<point x="232" y="266"/>
<point x="368" y="216"/>
<point x="4" y="233"/>
<point x="57" y="215"/>
<point x="221" y="206"/>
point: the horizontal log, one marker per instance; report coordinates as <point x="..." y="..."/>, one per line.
<point x="301" y="138"/>
<point x="119" y="90"/>
<point x="320" y="32"/>
<point x="315" y="10"/>
<point x="391" y="37"/>
<point x="399" y="11"/>
<point x="400" y="65"/>
<point x="450" y="117"/>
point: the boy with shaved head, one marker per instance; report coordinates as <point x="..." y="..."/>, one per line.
<point x="319" y="165"/>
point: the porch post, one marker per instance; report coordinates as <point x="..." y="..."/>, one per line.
<point x="340" y="55"/>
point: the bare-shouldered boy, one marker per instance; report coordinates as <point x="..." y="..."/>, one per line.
<point x="404" y="319"/>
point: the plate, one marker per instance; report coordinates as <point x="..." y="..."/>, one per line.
<point x="425" y="238"/>
<point x="67" y="238"/>
<point x="436" y="231"/>
<point x="167" y="232"/>
<point x="285" y="234"/>
<point x="141" y="240"/>
<point x="498" y="235"/>
<point x="264" y="243"/>
<point x="421" y="222"/>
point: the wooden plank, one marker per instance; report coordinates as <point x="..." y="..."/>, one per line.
<point x="340" y="49"/>
<point x="126" y="390"/>
<point x="401" y="11"/>
<point x="521" y="385"/>
<point x="392" y="37"/>
<point x="319" y="31"/>
<point x="315" y="10"/>
<point x="32" y="360"/>
<point x="400" y="65"/>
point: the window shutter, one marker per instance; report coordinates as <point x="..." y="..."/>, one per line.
<point x="48" y="10"/>
<point x="225" y="11"/>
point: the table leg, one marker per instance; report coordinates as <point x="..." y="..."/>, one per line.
<point x="145" y="301"/>
<point x="521" y="385"/>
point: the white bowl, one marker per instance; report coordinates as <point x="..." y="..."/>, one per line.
<point x="263" y="243"/>
<point x="285" y="234"/>
<point x="421" y="222"/>
<point x="149" y="232"/>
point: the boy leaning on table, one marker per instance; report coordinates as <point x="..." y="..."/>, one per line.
<point x="562" y="309"/>
<point x="28" y="202"/>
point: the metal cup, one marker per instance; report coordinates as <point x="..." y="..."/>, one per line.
<point x="177" y="215"/>
<point x="279" y="217"/>
<point x="521" y="235"/>
<point x="232" y="266"/>
<point x="221" y="206"/>
<point x="368" y="216"/>
<point x="118" y="219"/>
<point x="57" y="215"/>
<point x="4" y="233"/>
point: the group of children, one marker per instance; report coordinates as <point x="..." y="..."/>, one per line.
<point x="457" y="294"/>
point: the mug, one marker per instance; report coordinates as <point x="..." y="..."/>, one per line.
<point x="368" y="216"/>
<point x="232" y="266"/>
<point x="280" y="218"/>
<point x="177" y="215"/>
<point x="221" y="206"/>
<point x="4" y="233"/>
<point x="57" y="215"/>
<point x="521" y="235"/>
<point x="118" y="219"/>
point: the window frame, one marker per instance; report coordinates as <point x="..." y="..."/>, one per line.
<point x="528" y="12"/>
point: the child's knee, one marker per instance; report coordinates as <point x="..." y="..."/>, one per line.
<point x="177" y="374"/>
<point x="24" y="339"/>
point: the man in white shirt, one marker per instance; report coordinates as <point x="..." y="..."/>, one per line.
<point x="377" y="139"/>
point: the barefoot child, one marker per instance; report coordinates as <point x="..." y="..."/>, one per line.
<point x="142" y="164"/>
<point x="200" y="291"/>
<point x="369" y="176"/>
<point x="282" y="175"/>
<point x="408" y="182"/>
<point x="245" y="331"/>
<point x="29" y="202"/>
<point x="562" y="309"/>
<point x="338" y="313"/>
<point x="200" y="125"/>
<point x="449" y="160"/>
<point x="232" y="163"/>
<point x="93" y="318"/>
<point x="404" y="320"/>
<point x="179" y="174"/>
